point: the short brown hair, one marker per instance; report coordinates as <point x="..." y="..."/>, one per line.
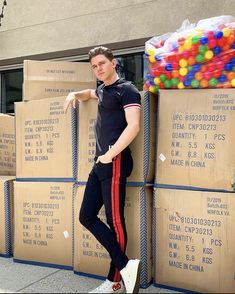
<point x="101" y="50"/>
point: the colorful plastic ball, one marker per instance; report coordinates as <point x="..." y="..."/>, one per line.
<point x="196" y="67"/>
<point x="233" y="69"/>
<point x="174" y="81"/>
<point x="185" y="54"/>
<point x="187" y="45"/>
<point x="152" y="59"/>
<point x="219" y="64"/>
<point x="191" y="60"/>
<point x="217" y="50"/>
<point x="175" y="65"/>
<point x="199" y="58"/>
<point x="151" y="81"/>
<point x="209" y="54"/>
<point x="202" y="49"/>
<point x="180" y="86"/>
<point x="217" y="73"/>
<point x="226" y="32"/>
<point x="233" y="46"/>
<point x="204" y="83"/>
<point x="195" y="39"/>
<point x="190" y="75"/>
<point x="231" y="39"/>
<point x="195" y="83"/>
<point x="198" y="75"/>
<point x="180" y="49"/>
<point x="207" y="75"/>
<point x="230" y="75"/>
<point x="168" y="84"/>
<point x="212" y="43"/>
<point x="221" y="42"/>
<point x="228" y="67"/>
<point x="187" y="83"/>
<point x="203" y="68"/>
<point x="175" y="73"/>
<point x="162" y="77"/>
<point x="233" y="83"/>
<point x="183" y="71"/>
<point x="158" y="57"/>
<point x="218" y="34"/>
<point x="203" y="40"/>
<point x="233" y="61"/>
<point x="168" y="67"/>
<point x="156" y="81"/>
<point x="183" y="62"/>
<point x="213" y="82"/>
<point x="222" y="78"/>
<point x="153" y="89"/>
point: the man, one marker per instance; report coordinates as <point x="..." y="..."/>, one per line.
<point x="117" y="125"/>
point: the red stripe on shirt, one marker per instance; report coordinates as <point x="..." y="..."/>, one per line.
<point x="131" y="105"/>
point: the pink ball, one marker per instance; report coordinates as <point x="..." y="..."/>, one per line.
<point x="219" y="64"/>
<point x="207" y="75"/>
<point x="212" y="43"/>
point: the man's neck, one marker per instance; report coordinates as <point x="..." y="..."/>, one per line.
<point x="112" y="80"/>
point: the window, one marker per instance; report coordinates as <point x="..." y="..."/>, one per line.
<point x="11" y="89"/>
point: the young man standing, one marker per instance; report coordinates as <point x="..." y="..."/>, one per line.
<point x="117" y="124"/>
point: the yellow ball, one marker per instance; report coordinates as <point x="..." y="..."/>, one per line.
<point x="209" y="54"/>
<point x="183" y="71"/>
<point x="181" y="49"/>
<point x="187" y="45"/>
<point x="226" y="32"/>
<point x="152" y="59"/>
<point x="151" y="89"/>
<point x="156" y="81"/>
<point x="233" y="83"/>
<point x="180" y="85"/>
<point x="183" y="62"/>
<point x="150" y="51"/>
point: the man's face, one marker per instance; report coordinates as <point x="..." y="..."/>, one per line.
<point x="103" y="67"/>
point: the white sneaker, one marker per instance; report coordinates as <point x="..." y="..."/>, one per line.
<point x="131" y="275"/>
<point x="109" y="287"/>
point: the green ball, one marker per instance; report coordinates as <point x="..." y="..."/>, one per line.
<point x="195" y="83"/>
<point x="195" y="39"/>
<point x="233" y="68"/>
<point x="213" y="82"/>
<point x="199" y="58"/>
<point x="202" y="49"/>
<point x="162" y="78"/>
<point x="168" y="84"/>
<point x="174" y="81"/>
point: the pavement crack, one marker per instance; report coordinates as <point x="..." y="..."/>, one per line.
<point x="37" y="281"/>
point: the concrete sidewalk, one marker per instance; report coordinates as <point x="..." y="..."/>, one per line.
<point x="24" y="278"/>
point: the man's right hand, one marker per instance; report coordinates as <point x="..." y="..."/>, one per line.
<point x="70" y="99"/>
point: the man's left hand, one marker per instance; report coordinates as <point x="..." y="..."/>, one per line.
<point x="104" y="159"/>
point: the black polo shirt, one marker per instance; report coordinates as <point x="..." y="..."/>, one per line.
<point x="111" y="121"/>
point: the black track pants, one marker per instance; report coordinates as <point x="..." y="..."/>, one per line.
<point x="107" y="185"/>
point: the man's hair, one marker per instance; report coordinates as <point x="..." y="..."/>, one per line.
<point x="101" y="50"/>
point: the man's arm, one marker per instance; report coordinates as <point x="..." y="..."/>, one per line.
<point x="130" y="132"/>
<point x="83" y="95"/>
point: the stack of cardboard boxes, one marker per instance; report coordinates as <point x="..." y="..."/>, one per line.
<point x="194" y="209"/>
<point x="7" y="175"/>
<point x="46" y="152"/>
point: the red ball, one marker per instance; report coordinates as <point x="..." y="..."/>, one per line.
<point x="207" y="75"/>
<point x="212" y="43"/>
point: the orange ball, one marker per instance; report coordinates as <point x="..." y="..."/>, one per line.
<point x="175" y="73"/>
<point x="230" y="75"/>
<point x="191" y="60"/>
<point x="227" y="84"/>
<point x="203" y="68"/>
<point x="198" y="75"/>
<point x="204" y="83"/>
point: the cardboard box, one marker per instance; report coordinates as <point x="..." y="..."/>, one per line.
<point x="196" y="138"/>
<point x="142" y="148"/>
<point x="60" y="71"/>
<point x="43" y="223"/>
<point x="35" y="90"/>
<point x="6" y="215"/>
<point x="45" y="140"/>
<point x="92" y="259"/>
<point x="194" y="240"/>
<point x="7" y="145"/>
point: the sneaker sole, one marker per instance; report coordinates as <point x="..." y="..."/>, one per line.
<point x="137" y="282"/>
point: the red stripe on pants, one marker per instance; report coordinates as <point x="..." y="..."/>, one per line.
<point x="116" y="207"/>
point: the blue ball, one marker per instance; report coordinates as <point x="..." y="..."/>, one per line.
<point x="218" y="34"/>
<point x="203" y="40"/>
<point x="151" y="81"/>
<point x="228" y="67"/>
<point x="233" y="46"/>
<point x="168" y="67"/>
<point x="190" y="75"/>
<point x="158" y="57"/>
<point x="187" y="83"/>
<point x="232" y="61"/>
<point x="216" y="50"/>
<point x="196" y="67"/>
<point x="222" y="78"/>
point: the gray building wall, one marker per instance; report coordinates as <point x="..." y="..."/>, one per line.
<point x="46" y="29"/>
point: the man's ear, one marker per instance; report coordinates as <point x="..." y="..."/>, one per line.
<point x="114" y="62"/>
